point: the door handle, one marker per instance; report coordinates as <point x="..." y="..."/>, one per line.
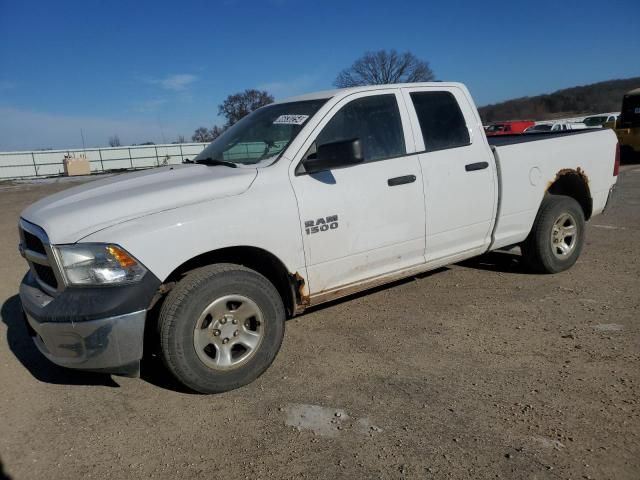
<point x="392" y="182"/>
<point x="476" y="166"/>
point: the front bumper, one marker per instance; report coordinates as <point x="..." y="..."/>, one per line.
<point x="112" y="345"/>
<point x="88" y="328"/>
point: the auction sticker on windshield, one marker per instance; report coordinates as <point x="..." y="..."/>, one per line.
<point x="290" y="119"/>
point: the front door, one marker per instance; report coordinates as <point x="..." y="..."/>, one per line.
<point x="363" y="221"/>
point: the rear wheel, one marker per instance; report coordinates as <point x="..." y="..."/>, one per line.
<point x="557" y="236"/>
<point x="221" y="327"/>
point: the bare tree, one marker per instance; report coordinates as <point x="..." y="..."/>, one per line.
<point x="114" y="141"/>
<point x="202" y="134"/>
<point x="216" y="131"/>
<point x="385" y="67"/>
<point x="234" y="108"/>
<point x="241" y="104"/>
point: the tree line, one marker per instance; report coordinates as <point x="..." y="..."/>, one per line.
<point x="570" y="102"/>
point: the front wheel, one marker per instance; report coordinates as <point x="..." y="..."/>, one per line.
<point x="556" y="239"/>
<point x="221" y="327"/>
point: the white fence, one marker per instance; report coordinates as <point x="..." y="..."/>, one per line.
<point x="47" y="163"/>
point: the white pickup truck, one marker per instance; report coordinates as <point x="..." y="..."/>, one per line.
<point x="303" y="201"/>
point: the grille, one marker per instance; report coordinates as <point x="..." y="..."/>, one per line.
<point x="37" y="251"/>
<point x="46" y="274"/>
<point x="31" y="242"/>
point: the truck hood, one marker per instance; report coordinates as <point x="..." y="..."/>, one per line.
<point x="73" y="214"/>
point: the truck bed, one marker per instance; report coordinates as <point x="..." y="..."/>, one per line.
<point x="501" y="140"/>
<point x="527" y="167"/>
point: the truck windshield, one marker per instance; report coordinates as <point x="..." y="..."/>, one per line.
<point x="260" y="136"/>
<point x="595" y="121"/>
<point x="630" y="116"/>
<point x="540" y="128"/>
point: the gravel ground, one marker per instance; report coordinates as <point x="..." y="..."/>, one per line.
<point x="478" y="370"/>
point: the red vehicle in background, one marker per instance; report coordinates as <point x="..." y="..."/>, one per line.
<point x="508" y="128"/>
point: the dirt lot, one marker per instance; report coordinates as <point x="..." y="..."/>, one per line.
<point x="479" y="370"/>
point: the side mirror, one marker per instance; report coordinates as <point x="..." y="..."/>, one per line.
<point x="336" y="154"/>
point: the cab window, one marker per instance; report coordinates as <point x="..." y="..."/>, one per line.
<point x="441" y="120"/>
<point x="374" y="120"/>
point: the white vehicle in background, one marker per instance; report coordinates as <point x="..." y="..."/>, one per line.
<point x="599" y="121"/>
<point x="303" y="201"/>
<point x="554" y="127"/>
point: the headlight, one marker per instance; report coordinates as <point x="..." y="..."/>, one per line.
<point x="98" y="264"/>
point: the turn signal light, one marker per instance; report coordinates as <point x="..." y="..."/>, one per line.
<point x="124" y="259"/>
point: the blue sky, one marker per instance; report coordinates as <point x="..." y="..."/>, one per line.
<point x="151" y="70"/>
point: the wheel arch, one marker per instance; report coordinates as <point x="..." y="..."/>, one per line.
<point x="290" y="286"/>
<point x="573" y="183"/>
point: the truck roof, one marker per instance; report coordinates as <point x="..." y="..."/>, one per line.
<point x="325" y="94"/>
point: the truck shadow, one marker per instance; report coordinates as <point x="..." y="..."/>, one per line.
<point x="21" y="345"/>
<point x="3" y="475"/>
<point x="153" y="371"/>
<point x="497" y="261"/>
<point x="629" y="157"/>
<point x="364" y="293"/>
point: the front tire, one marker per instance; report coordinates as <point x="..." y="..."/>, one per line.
<point x="557" y="237"/>
<point x="221" y="327"/>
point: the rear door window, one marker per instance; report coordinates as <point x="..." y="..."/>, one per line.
<point x="441" y="120"/>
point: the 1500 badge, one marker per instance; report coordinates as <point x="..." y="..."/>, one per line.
<point x="321" y="224"/>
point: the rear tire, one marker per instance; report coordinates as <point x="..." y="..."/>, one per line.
<point x="557" y="237"/>
<point x="221" y="327"/>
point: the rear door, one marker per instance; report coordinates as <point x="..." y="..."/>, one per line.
<point x="459" y="172"/>
<point x="361" y="222"/>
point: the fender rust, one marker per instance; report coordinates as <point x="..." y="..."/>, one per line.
<point x="569" y="171"/>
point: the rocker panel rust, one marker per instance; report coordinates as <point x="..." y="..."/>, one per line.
<point x="301" y="293"/>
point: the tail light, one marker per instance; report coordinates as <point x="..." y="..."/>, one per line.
<point x="616" y="163"/>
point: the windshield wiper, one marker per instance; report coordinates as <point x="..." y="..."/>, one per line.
<point x="213" y="162"/>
